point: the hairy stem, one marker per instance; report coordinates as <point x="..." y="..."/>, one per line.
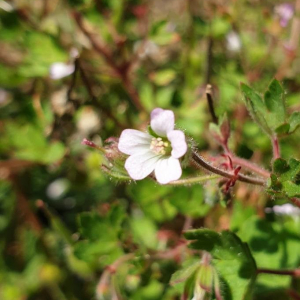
<point x="200" y="162"/>
<point x="193" y="180"/>
<point x="250" y="166"/>
<point x="276" y="148"/>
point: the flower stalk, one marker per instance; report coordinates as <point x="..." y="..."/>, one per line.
<point x="193" y="180"/>
<point x="199" y="162"/>
<point x="249" y="165"/>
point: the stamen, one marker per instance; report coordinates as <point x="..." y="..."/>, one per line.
<point x="158" y="146"/>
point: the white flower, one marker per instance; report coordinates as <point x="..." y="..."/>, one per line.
<point x="159" y="153"/>
<point x="233" y="42"/>
<point x="60" y="70"/>
<point x="8" y="7"/>
<point x="284" y="209"/>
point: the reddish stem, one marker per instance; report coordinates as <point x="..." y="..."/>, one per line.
<point x="294" y="273"/>
<point x="296" y="201"/>
<point x="250" y="166"/>
<point x="276" y="149"/>
<point x="199" y="162"/>
<point x="293" y="294"/>
<point x="244" y="162"/>
<point x="120" y="70"/>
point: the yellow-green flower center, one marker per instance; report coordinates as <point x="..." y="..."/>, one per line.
<point x="160" y="146"/>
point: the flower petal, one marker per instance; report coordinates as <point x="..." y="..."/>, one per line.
<point x="178" y="143"/>
<point x="140" y="166"/>
<point x="167" y="169"/>
<point x="133" y="141"/>
<point x="162" y="121"/>
<point x="60" y="70"/>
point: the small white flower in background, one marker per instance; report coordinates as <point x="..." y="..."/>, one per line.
<point x="88" y="120"/>
<point x="57" y="188"/>
<point x="285" y="209"/>
<point x="158" y="152"/>
<point x="285" y="12"/>
<point x="60" y="70"/>
<point x="233" y="42"/>
<point x="8" y="7"/>
<point x="144" y="49"/>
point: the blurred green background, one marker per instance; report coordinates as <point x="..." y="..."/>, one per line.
<point x="74" y="69"/>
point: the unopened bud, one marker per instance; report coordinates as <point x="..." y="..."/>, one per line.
<point x="111" y="149"/>
<point x="113" y="160"/>
<point x="205" y="277"/>
<point x="206" y="280"/>
<point x="89" y="143"/>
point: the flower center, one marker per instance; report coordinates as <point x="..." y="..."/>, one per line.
<point x="159" y="146"/>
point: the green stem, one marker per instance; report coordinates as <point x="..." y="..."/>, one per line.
<point x="56" y="223"/>
<point x="193" y="180"/>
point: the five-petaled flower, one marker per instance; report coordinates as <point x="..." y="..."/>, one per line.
<point x="158" y="151"/>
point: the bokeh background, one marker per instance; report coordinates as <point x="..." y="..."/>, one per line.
<point x="89" y="69"/>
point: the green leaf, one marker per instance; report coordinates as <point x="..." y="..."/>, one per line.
<point x="91" y="252"/>
<point x="280" y="166"/>
<point x="286" y="178"/>
<point x="153" y="200"/>
<point x="147" y="95"/>
<point x="274" y="245"/>
<point x="219" y="27"/>
<point x="7" y="204"/>
<point x="221" y="131"/>
<point x="269" y="113"/>
<point x="44" y="51"/>
<point x="37" y="147"/>
<point x="294" y="121"/>
<point x="154" y="290"/>
<point x="283" y="129"/>
<point x="231" y="257"/>
<point x="189" y="267"/>
<point x="241" y="212"/>
<point x="163" y="77"/>
<point x="160" y="35"/>
<point x="164" y="96"/>
<point x="94" y="227"/>
<point x="275" y="103"/>
<point x="291" y="189"/>
<point x="193" y="204"/>
<point x="54" y="152"/>
<point x="292" y="171"/>
<point x="256" y="107"/>
<point x="144" y="231"/>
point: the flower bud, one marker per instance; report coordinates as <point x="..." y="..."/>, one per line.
<point x="206" y="280"/>
<point x="113" y="160"/>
